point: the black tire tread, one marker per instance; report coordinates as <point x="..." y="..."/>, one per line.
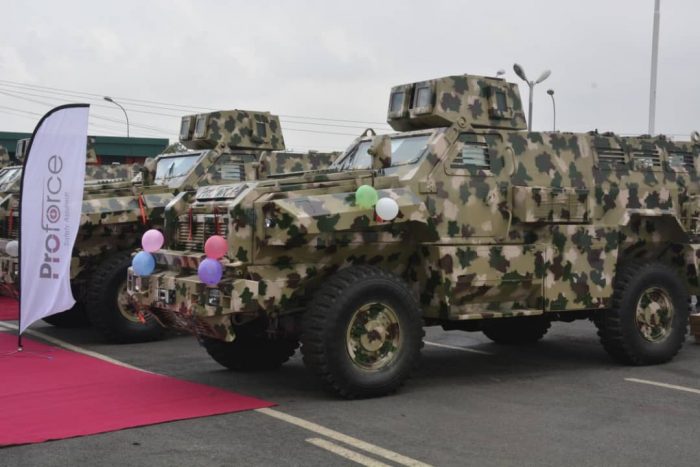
<point x="610" y="323"/>
<point x="518" y="330"/>
<point x="320" y="313"/>
<point x="98" y="311"/>
<point x="248" y="353"/>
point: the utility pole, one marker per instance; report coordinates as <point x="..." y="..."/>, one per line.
<point x="654" y="65"/>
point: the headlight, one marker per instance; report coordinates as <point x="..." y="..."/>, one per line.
<point x="214" y="297"/>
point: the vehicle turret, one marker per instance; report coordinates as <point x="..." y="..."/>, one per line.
<point x="232" y="129"/>
<point x="90" y="159"/>
<point x="477" y="101"/>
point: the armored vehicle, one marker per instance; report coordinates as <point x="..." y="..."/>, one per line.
<point x="497" y="230"/>
<point x="4" y="157"/>
<point x="117" y="210"/>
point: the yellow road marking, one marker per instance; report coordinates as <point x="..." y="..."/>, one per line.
<point x="663" y="385"/>
<point x="349" y="440"/>
<point x="346" y="453"/>
<point x="454" y="347"/>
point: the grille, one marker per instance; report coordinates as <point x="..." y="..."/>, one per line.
<point x="14" y="232"/>
<point x="203" y="227"/>
<point x="647" y="159"/>
<point x="682" y="160"/>
<point x="611" y="157"/>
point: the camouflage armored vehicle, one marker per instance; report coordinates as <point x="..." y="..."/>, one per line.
<point x="116" y="211"/>
<point x="498" y="230"/>
<point x="4" y="157"/>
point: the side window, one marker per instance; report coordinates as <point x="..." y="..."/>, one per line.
<point x="472" y="155"/>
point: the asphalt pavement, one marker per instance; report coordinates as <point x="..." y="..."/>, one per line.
<point x="471" y="402"/>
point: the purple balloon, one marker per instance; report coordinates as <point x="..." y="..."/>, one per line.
<point x="210" y="271"/>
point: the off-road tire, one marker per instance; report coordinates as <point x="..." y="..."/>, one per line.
<point x="250" y="351"/>
<point x="73" y="318"/>
<point x="325" y="331"/>
<point x="617" y="327"/>
<point x="517" y="331"/>
<point x="102" y="308"/>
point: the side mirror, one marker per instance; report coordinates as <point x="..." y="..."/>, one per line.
<point x="380" y="150"/>
<point x="263" y="167"/>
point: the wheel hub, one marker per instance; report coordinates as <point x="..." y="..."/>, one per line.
<point x="654" y="314"/>
<point x="124" y="306"/>
<point x="373" y="336"/>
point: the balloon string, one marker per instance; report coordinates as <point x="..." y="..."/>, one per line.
<point x="190" y="219"/>
<point x="9" y="224"/>
<point x="143" y="211"/>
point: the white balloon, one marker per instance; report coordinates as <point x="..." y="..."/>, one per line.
<point x="12" y="248"/>
<point x="387" y="209"/>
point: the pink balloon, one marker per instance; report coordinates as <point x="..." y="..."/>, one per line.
<point x="152" y="240"/>
<point x="215" y="247"/>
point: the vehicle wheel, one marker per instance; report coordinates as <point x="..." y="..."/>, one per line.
<point x="514" y="331"/>
<point x="108" y="306"/>
<point x="649" y="316"/>
<point x="362" y="332"/>
<point x="252" y="350"/>
<point x="73" y="318"/>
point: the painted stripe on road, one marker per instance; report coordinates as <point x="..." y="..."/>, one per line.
<point x="663" y="385"/>
<point x="300" y="422"/>
<point x="72" y="347"/>
<point x="346" y="453"/>
<point x="337" y="436"/>
<point x="454" y="347"/>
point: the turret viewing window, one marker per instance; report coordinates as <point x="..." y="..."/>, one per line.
<point x="423" y="97"/>
<point x="200" y="128"/>
<point x="396" y="102"/>
<point x="261" y="129"/>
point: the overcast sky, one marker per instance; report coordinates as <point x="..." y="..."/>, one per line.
<point x="307" y="60"/>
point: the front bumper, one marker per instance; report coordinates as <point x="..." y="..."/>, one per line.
<point x="184" y="303"/>
<point x="695" y="326"/>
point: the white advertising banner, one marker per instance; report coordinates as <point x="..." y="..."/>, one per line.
<point x="50" y="206"/>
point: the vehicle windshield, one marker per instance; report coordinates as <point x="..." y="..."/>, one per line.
<point x="9" y="175"/>
<point x="172" y="167"/>
<point x="404" y="150"/>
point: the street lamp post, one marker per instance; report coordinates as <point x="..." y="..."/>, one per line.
<point x="521" y="73"/>
<point x="654" y="67"/>
<point x="109" y="99"/>
<point x="554" y="110"/>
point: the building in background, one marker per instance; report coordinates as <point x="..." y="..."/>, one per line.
<point x="109" y="149"/>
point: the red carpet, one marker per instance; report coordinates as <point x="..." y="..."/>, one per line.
<point x="8" y="309"/>
<point x="70" y="394"/>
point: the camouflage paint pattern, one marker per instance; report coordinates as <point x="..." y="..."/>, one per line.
<point x="494" y="221"/>
<point x="121" y="202"/>
<point x="4" y="157"/>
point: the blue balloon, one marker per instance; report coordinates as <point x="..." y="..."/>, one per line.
<point x="143" y="263"/>
<point x="210" y="271"/>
